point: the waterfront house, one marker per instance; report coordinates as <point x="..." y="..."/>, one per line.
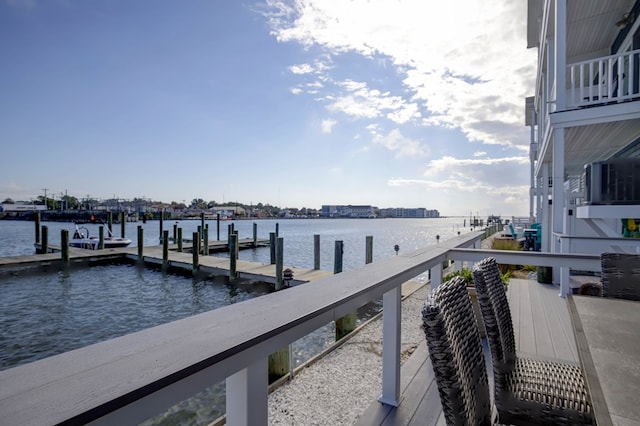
<point x="585" y="126"/>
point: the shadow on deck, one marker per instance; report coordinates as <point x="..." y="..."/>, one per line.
<point x="541" y="326"/>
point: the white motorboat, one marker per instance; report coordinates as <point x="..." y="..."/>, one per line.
<point x="82" y="239"/>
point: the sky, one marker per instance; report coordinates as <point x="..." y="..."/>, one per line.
<point x="293" y="103"/>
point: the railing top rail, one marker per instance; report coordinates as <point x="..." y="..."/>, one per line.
<point x="172" y="359"/>
<point x="602" y="58"/>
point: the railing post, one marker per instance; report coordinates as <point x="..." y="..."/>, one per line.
<point x="247" y="395"/>
<point x="391" y="345"/>
<point x="435" y="275"/>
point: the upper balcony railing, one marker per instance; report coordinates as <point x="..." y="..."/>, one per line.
<point x="614" y="78"/>
<point x="134" y="377"/>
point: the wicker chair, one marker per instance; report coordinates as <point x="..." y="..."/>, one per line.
<point x="456" y="354"/>
<point x="526" y="390"/>
<point x="621" y="275"/>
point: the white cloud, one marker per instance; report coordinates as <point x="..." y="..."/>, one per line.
<point x="400" y="144"/>
<point x="327" y="125"/>
<point x="465" y="62"/>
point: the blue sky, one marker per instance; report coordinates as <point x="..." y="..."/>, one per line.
<point x="292" y="103"/>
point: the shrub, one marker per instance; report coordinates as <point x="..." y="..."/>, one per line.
<point x="467" y="276"/>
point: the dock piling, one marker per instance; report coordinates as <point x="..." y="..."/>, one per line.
<point x="179" y="240"/>
<point x="368" y="255"/>
<point x="64" y="244"/>
<point x="140" y="243"/>
<point x="279" y="262"/>
<point x="38" y="227"/>
<point x="165" y="248"/>
<point x="45" y="239"/>
<point x="205" y="248"/>
<point x="272" y="246"/>
<point x="218" y="224"/>
<point x="316" y="252"/>
<point x="100" y="237"/>
<point x="255" y="234"/>
<point x="175" y="233"/>
<point x="233" y="259"/>
<point x="195" y="252"/>
<point x="110" y="222"/>
<point x="123" y="223"/>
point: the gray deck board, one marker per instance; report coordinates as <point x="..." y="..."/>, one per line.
<point x="542" y="328"/>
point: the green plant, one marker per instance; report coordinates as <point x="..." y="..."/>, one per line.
<point x="467" y="276"/>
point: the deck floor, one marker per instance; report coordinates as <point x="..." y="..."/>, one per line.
<point x="541" y="326"/>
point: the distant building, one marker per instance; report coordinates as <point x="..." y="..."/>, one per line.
<point x="419" y="212"/>
<point x="361" y="211"/>
<point x="350" y="211"/>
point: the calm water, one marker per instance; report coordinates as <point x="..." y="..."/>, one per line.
<point x="47" y="312"/>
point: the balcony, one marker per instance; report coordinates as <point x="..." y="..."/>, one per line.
<point x="614" y="78"/>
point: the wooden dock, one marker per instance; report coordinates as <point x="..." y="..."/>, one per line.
<point x="182" y="261"/>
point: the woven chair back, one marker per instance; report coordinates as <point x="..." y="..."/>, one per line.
<point x="495" y="309"/>
<point x="456" y="354"/>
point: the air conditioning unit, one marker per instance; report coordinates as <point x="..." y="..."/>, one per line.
<point x="612" y="182"/>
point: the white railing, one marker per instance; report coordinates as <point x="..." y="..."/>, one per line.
<point x="613" y="78"/>
<point x="134" y="377"/>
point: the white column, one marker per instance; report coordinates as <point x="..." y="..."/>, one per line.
<point x="560" y="38"/>
<point x="557" y="190"/>
<point x="247" y="395"/>
<point x="546" y="209"/>
<point x="391" y="346"/>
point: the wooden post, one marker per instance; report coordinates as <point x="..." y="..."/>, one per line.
<point x="200" y="231"/>
<point x="218" y="224"/>
<point x="279" y="262"/>
<point x="175" y="233"/>
<point x="64" y="244"/>
<point x="205" y="249"/>
<point x="202" y="221"/>
<point x="110" y="222"/>
<point x="179" y="240"/>
<point x="165" y="248"/>
<point x="123" y="223"/>
<point x="140" y="243"/>
<point x="45" y="239"/>
<point x="100" y="237"/>
<point x="233" y="260"/>
<point x="237" y="243"/>
<point x="277" y="229"/>
<point x="347" y="323"/>
<point x="195" y="252"/>
<point x="272" y="246"/>
<point x="337" y="257"/>
<point x="37" y="227"/>
<point x="280" y="361"/>
<point x="316" y="252"/>
<point x="161" y="222"/>
<point x="368" y="257"/>
<point x="229" y="233"/>
<point x="255" y="234"/>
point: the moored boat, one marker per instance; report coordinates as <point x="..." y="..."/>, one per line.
<point x="82" y="239"/>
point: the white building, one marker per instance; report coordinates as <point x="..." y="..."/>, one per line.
<point x="586" y="110"/>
